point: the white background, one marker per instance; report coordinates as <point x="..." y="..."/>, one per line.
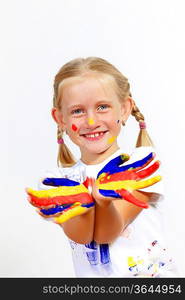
<point x="145" y="40"/>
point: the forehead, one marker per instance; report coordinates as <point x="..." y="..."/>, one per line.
<point x="87" y="88"/>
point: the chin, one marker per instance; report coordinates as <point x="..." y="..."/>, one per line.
<point x="97" y="150"/>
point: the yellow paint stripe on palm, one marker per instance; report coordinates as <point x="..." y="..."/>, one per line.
<point x="128" y="184"/>
<point x="73" y="212"/>
<point x="59" y="191"/>
<point x="111" y="140"/>
<point x="90" y="121"/>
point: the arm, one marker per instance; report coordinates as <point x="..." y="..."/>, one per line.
<point x="112" y="216"/>
<point x="80" y="229"/>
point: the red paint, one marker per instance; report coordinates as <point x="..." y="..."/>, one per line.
<point x="74" y="128"/>
<point x="131" y="174"/>
<point x="59" y="200"/>
<point x="126" y="195"/>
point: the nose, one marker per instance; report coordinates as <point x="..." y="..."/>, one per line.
<point x="92" y="120"/>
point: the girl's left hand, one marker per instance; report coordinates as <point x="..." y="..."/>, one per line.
<point x="122" y="181"/>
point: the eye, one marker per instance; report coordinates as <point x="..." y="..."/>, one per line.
<point x="77" y="111"/>
<point x="103" y="107"/>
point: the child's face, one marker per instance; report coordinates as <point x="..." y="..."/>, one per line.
<point x="92" y="114"/>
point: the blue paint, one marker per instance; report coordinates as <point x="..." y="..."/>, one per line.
<point x="161" y="264"/>
<point x="55" y="210"/>
<point x="104" y="254"/>
<point x="110" y="193"/>
<point x="92" y="255"/>
<point x="60" y="182"/>
<point x="59" y="208"/>
<point x="114" y="165"/>
<point x="92" y="245"/>
<point x="88" y="205"/>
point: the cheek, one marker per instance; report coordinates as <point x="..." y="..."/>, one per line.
<point x="74" y="127"/>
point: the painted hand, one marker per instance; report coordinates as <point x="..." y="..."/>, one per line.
<point x="119" y="181"/>
<point x="67" y="200"/>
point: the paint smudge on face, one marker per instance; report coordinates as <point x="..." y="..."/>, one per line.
<point x="74" y="128"/>
<point x="90" y="121"/>
<point x="111" y="140"/>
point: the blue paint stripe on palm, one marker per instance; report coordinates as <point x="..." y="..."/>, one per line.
<point x="54" y="210"/>
<point x="60" y="208"/>
<point x="60" y="182"/>
<point x="109" y="193"/>
<point x="88" y="205"/>
<point x="113" y="166"/>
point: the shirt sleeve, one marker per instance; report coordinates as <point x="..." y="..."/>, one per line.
<point x="141" y="152"/>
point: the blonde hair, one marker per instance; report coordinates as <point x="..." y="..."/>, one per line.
<point x="79" y="67"/>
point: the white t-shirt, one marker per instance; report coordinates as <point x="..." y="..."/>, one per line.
<point x="140" y="251"/>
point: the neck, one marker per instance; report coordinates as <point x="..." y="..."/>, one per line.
<point x="97" y="158"/>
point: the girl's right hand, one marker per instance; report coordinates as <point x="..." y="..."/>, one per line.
<point x="67" y="200"/>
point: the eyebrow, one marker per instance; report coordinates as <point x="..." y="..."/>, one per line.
<point x="80" y="104"/>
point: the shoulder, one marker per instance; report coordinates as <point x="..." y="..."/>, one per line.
<point x="75" y="172"/>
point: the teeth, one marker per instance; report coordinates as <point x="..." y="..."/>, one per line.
<point x="94" y="135"/>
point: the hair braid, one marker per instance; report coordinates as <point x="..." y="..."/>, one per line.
<point x="143" y="137"/>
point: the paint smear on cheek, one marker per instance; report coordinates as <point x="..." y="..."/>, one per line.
<point x="74" y="128"/>
<point x="111" y="140"/>
<point x="90" y="121"/>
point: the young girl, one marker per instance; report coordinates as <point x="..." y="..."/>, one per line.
<point x="112" y="237"/>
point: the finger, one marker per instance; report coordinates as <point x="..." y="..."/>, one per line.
<point x="88" y="183"/>
<point x="137" y="165"/>
<point x="114" y="164"/>
<point x="54" y="211"/>
<point x="59" y="191"/>
<point x="109" y="193"/>
<point x="126" y="195"/>
<point x="120" y="176"/>
<point x="148" y="171"/>
<point x="70" y="213"/>
<point x="60" y="182"/>
<point x="146" y="183"/>
<point x="60" y="200"/>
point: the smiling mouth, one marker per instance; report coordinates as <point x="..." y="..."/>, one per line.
<point x="94" y="136"/>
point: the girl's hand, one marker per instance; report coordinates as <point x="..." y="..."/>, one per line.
<point x="62" y="203"/>
<point x="121" y="181"/>
<point x="99" y="198"/>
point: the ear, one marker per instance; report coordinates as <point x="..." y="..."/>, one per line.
<point x="127" y="108"/>
<point x="58" y="118"/>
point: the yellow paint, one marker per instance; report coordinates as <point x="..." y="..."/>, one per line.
<point x="127" y="184"/>
<point x="140" y="261"/>
<point x="59" y="191"/>
<point x="125" y="157"/>
<point x="111" y="140"/>
<point x="90" y="121"/>
<point x="155" y="268"/>
<point x="78" y="210"/>
<point x="131" y="261"/>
